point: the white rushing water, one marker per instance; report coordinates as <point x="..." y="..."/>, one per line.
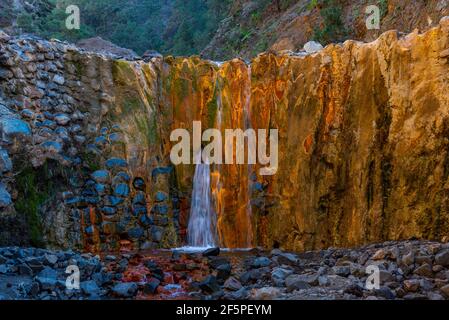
<point x="201" y="231"/>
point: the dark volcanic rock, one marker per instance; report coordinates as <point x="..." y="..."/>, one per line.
<point x="209" y="284"/>
<point x="151" y="286"/>
<point x="211" y="252"/>
<point x="125" y="289"/>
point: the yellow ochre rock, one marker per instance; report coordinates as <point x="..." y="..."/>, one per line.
<point x="363" y="138"/>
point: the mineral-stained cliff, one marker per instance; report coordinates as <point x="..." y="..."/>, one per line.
<point x="363" y="144"/>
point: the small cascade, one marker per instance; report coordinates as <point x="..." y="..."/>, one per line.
<point x="201" y="230"/>
<point x="216" y="180"/>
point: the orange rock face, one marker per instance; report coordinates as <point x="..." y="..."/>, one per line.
<point x="363" y="139"/>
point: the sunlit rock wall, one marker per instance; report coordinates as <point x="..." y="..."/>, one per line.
<point x="363" y="144"/>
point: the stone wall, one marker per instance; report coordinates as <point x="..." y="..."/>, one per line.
<point x="363" y="144"/>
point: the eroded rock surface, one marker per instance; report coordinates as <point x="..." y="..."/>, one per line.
<point x="362" y="155"/>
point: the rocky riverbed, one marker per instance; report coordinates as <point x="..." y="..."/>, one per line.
<point x="407" y="270"/>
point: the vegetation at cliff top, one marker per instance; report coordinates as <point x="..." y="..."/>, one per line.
<point x="169" y="26"/>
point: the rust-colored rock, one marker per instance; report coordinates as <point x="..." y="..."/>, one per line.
<point x="363" y="139"/>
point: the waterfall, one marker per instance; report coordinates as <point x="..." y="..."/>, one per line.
<point x="201" y="231"/>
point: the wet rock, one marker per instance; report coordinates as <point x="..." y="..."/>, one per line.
<point x="211" y="252"/>
<point x="125" y="289"/>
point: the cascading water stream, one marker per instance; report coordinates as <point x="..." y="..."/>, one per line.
<point x="201" y="230"/>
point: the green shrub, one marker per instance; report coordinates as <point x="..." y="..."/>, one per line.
<point x="333" y="28"/>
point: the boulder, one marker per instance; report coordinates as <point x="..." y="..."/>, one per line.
<point x="312" y="47"/>
<point x="125" y="289"/>
<point x="151" y="286"/>
<point x="211" y="252"/>
<point x="267" y="293"/>
<point x="232" y="284"/>
<point x="47" y="279"/>
<point x="442" y="258"/>
<point x="90" y="288"/>
<point x="209" y="284"/>
<point x="261" y="262"/>
<point x="5" y="197"/>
